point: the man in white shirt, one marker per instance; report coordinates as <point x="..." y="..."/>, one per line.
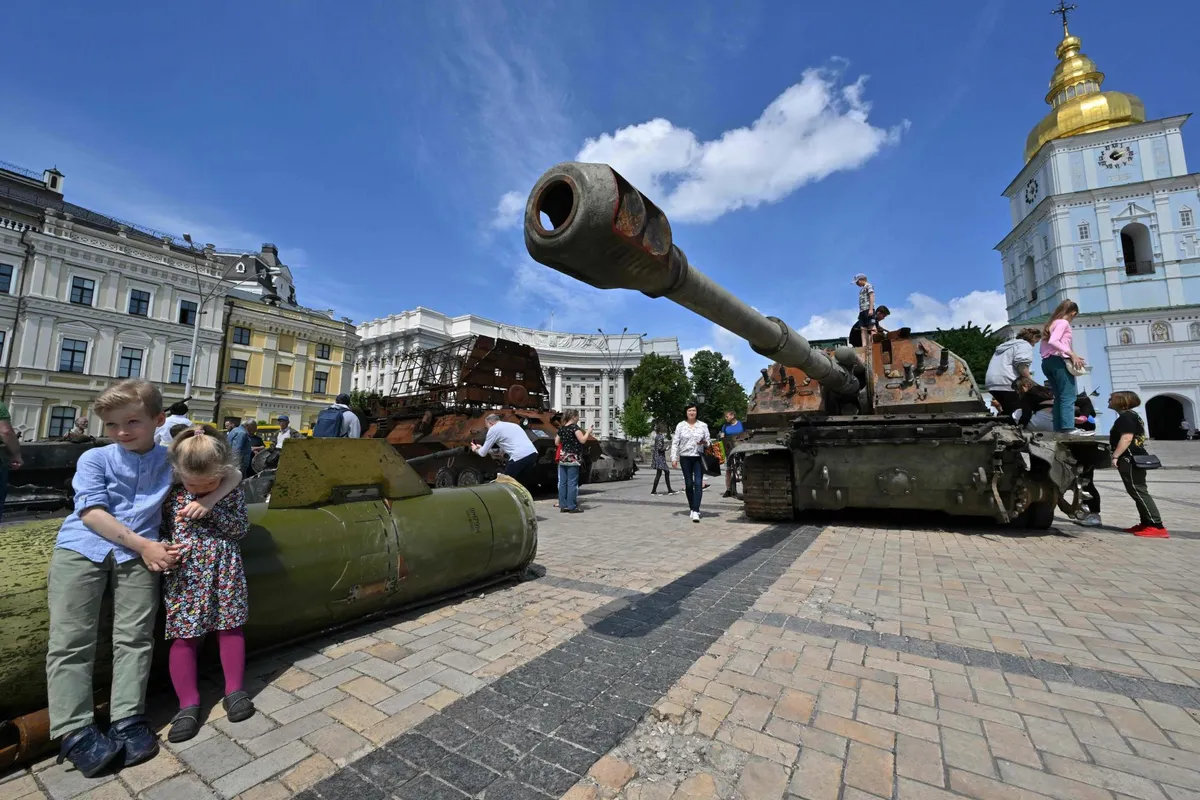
<point x="513" y="441"/>
<point x="286" y="431"/>
<point x="178" y="415"/>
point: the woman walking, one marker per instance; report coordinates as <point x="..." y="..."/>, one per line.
<point x="1127" y="437"/>
<point x="1057" y="354"/>
<point x="571" y="438"/>
<point x="658" y="457"/>
<point x="687" y="447"/>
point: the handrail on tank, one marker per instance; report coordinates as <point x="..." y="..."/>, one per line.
<point x="606" y="233"/>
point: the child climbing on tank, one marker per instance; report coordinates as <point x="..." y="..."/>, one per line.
<point x="206" y="593"/>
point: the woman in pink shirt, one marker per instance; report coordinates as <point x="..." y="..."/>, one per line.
<point x="1057" y="352"/>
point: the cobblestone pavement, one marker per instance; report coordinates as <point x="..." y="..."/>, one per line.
<point x="651" y="658"/>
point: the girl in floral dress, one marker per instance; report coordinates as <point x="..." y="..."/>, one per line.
<point x="207" y="592"/>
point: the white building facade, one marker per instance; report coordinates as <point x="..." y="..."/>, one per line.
<point x="1105" y="213"/>
<point x="586" y="371"/>
<point x="85" y="300"/>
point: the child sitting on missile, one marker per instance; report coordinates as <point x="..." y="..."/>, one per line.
<point x="207" y="592"/>
<point x="112" y="539"/>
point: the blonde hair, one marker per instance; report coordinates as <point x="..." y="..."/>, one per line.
<point x="1124" y="401"/>
<point x="569" y="415"/>
<point x="1064" y="308"/>
<point x="201" y="452"/>
<point x="129" y="393"/>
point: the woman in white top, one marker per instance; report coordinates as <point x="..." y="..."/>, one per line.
<point x="691" y="437"/>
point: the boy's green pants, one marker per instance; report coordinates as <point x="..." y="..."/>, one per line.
<point x="77" y="587"/>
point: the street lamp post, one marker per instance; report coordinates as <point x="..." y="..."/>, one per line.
<point x="205" y="297"/>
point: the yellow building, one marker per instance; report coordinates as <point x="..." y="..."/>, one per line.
<point x="278" y="357"/>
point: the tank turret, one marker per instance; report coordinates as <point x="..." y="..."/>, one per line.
<point x="586" y="221"/>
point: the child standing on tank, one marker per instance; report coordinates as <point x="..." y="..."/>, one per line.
<point x="866" y="307"/>
<point x="112" y="539"/>
<point x="207" y="593"/>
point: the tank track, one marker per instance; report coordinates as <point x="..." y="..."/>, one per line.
<point x="767" y="486"/>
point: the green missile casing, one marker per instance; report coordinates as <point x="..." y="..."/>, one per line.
<point x="350" y="531"/>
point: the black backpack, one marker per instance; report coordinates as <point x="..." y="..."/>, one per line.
<point x="330" y="423"/>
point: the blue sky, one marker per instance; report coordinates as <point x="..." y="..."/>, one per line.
<point x="794" y="143"/>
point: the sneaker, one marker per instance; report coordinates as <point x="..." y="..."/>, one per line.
<point x="728" y="493"/>
<point x="140" y="742"/>
<point x="1080" y="432"/>
<point x="1090" y="521"/>
<point x="695" y="516"/>
<point x="89" y="750"/>
<point x="1153" y="532"/>
<point x="1134" y="529"/>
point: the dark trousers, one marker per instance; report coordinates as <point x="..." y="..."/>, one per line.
<point x="1009" y="402"/>
<point x="4" y="486"/>
<point x="1135" y="484"/>
<point x="515" y="468"/>
<point x="1087" y="483"/>
<point x="693" y="480"/>
<point x="661" y="473"/>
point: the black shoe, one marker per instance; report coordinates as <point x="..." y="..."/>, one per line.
<point x="140" y="742"/>
<point x="184" y="725"/>
<point x="89" y="750"/>
<point x="238" y="706"/>
<point x="728" y="493"/>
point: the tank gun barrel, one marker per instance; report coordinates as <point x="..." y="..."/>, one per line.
<point x="604" y="232"/>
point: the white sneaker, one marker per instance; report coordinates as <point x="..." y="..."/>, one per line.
<point x="695" y="516"/>
<point x="1090" y="521"/>
<point x="1080" y="432"/>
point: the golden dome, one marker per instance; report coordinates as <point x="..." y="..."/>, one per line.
<point x="1077" y="104"/>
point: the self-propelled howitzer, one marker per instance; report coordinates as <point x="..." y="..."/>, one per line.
<point x="898" y="423"/>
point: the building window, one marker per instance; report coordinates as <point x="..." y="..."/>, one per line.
<point x="130" y="363"/>
<point x="139" y="303"/>
<point x="1137" y="249"/>
<point x="82" y="291"/>
<point x="240" y="269"/>
<point x="323" y="351"/>
<point x="6" y="273"/>
<point x="3" y="338"/>
<point x="237" y="370"/>
<point x="180" y="367"/>
<point x="62" y="419"/>
<point x="1085" y="231"/>
<point x="1045" y="243"/>
<point x="187" y="312"/>
<point x="241" y="336"/>
<point x="72" y="356"/>
<point x="1186" y="220"/>
<point x="320" y="382"/>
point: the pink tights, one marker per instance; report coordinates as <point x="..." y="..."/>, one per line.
<point x="185" y="654"/>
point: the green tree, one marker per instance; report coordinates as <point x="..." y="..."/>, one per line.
<point x="363" y="402"/>
<point x="663" y="386"/>
<point x="712" y="376"/>
<point x="634" y="418"/>
<point x="972" y="344"/>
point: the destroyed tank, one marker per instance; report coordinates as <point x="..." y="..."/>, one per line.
<point x="897" y="424"/>
<point x="442" y="396"/>
<point x="345" y="532"/>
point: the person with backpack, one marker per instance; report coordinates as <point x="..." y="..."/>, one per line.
<point x="338" y="421"/>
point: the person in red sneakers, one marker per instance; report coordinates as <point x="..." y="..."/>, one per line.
<point x="1128" y="439"/>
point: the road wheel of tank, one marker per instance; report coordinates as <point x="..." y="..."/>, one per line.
<point x="767" y="486"/>
<point x="1039" y="516"/>
<point x="445" y="477"/>
<point x="469" y="477"/>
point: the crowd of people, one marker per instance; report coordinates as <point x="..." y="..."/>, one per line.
<point x="1056" y="406"/>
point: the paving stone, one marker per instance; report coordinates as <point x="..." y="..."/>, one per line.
<point x="308" y="772"/>
<point x="181" y="787"/>
<point x="427" y="787"/>
<point x="384" y="769"/>
<point x="338" y="743"/>
<point x="368" y="689"/>
<point x="817" y="776"/>
<point x="260" y="769"/>
<point x="612" y="773"/>
<point x="63" y="781"/>
<point x="270" y="790"/>
<point x="760" y="778"/>
<point x="246" y="729"/>
<point x="308" y="707"/>
<point x="286" y="734"/>
<point x="411" y="695"/>
<point x="215" y="757"/>
<point x="920" y="760"/>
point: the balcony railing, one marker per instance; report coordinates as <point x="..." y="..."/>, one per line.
<point x="1139" y="267"/>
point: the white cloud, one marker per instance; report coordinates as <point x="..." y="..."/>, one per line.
<point x="511" y="207"/>
<point x="922" y="313"/>
<point x="814" y="128"/>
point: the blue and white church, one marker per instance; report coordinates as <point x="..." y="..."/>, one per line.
<point x="1105" y="213"/>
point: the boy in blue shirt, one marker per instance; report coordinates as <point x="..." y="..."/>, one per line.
<point x="112" y="538"/>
